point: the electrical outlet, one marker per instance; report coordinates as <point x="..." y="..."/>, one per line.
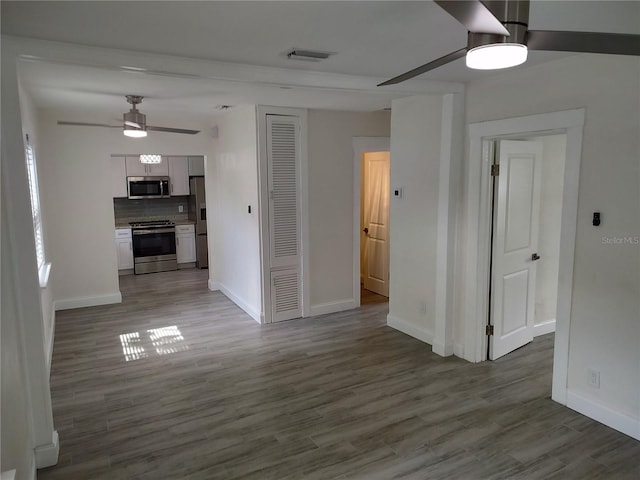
<point x="593" y="377"/>
<point x="423" y="308"/>
<point x="180" y="209"/>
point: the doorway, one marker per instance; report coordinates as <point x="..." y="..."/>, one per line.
<point x="527" y="175"/>
<point x="371" y="188"/>
<point x="477" y="238"/>
<point x="374" y="227"/>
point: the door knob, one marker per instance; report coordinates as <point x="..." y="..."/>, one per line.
<point x="534" y="257"/>
<point x="365" y="230"/>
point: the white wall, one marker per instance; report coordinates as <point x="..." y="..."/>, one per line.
<point x="330" y="145"/>
<point x="232" y="185"/>
<point x="416" y="124"/>
<point x="554" y="149"/>
<point x="76" y="197"/>
<point x="16" y="442"/>
<point x="604" y="330"/>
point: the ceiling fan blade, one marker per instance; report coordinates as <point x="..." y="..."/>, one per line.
<point x="586" y="42"/>
<point x="132" y="124"/>
<point x="426" y="67"/>
<point x="173" y="130"/>
<point x="83" y="124"/>
<point x="475" y="16"/>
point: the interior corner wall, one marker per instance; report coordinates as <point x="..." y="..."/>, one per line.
<point x="330" y="160"/>
<point x="605" y="311"/>
<point x="416" y="124"/>
<point x="77" y="202"/>
<point x="232" y="186"/>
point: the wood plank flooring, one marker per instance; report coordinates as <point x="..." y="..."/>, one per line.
<point x="178" y="383"/>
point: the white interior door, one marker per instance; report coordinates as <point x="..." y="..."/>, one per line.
<point x="283" y="160"/>
<point x="376" y="222"/>
<point x="515" y="243"/>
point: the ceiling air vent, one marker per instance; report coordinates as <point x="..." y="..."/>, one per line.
<point x="307" y="55"/>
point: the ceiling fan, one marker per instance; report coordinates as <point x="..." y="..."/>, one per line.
<point x="499" y="37"/>
<point x="134" y="123"/>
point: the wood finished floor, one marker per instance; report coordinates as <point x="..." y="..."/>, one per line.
<point x="341" y="396"/>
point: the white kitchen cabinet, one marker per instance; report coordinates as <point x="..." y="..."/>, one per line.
<point x="186" y="243"/>
<point x="179" y="175"/>
<point x="124" y="248"/>
<point x="118" y="177"/>
<point x="196" y="166"/>
<point x="137" y="169"/>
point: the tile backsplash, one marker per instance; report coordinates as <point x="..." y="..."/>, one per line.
<point x="126" y="210"/>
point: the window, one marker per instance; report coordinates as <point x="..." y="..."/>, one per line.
<point x="32" y="173"/>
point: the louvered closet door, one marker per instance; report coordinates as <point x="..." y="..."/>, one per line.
<point x="283" y="153"/>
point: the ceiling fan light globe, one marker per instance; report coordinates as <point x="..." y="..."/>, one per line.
<point x="496" y="56"/>
<point x="134" y="133"/>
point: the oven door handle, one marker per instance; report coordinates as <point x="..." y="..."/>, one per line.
<point x="155" y="230"/>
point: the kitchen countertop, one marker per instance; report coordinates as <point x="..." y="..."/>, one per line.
<point x="124" y="223"/>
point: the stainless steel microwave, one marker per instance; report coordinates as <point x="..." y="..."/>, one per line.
<point x="148" y="187"/>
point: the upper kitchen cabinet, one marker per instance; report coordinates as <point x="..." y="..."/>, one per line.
<point x="137" y="169"/>
<point x="196" y="166"/>
<point x="118" y="177"/>
<point x="179" y="175"/>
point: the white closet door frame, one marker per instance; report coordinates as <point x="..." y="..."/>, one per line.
<point x="263" y="208"/>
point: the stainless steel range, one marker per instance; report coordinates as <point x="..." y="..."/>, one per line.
<point x="154" y="246"/>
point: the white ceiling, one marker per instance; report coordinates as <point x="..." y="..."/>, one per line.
<point x="377" y="39"/>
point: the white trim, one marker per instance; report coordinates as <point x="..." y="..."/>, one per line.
<point x="332" y="307"/>
<point x="611" y="418"/>
<point x="52" y="337"/>
<point x="213" y="286"/>
<point x="361" y="145"/>
<point x="11" y="475"/>
<point x="458" y="349"/>
<point x="410" y="329"/>
<point x="263" y="211"/>
<point x="47" y="455"/>
<point x="450" y="159"/>
<point x="92" y="301"/>
<point x="544" y="328"/>
<point x="249" y="310"/>
<point x="477" y="222"/>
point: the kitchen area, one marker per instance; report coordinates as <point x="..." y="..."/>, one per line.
<point x="160" y="213"/>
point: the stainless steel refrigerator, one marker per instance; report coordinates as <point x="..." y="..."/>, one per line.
<point x="198" y="214"/>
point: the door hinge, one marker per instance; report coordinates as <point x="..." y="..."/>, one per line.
<point x="495" y="170"/>
<point x="488" y="330"/>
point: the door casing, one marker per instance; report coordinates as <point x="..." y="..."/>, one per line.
<point x="361" y="145"/>
<point x="475" y="272"/>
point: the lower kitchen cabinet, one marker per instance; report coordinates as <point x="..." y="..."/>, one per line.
<point x="186" y="243"/>
<point x="124" y="248"/>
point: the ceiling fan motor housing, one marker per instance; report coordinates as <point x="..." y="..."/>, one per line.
<point x="514" y="15"/>
<point x="133" y="118"/>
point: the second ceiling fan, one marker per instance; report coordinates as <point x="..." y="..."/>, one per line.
<point x="134" y="122"/>
<point x="499" y="37"/>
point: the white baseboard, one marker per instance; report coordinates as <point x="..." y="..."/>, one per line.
<point x="611" y="418"/>
<point x="544" y="328"/>
<point x="52" y="336"/>
<point x="213" y="286"/>
<point x="11" y="475"/>
<point x="93" y="301"/>
<point x="439" y="348"/>
<point x="47" y="455"/>
<point x="252" y="312"/>
<point x="332" y="307"/>
<point x="410" y="329"/>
